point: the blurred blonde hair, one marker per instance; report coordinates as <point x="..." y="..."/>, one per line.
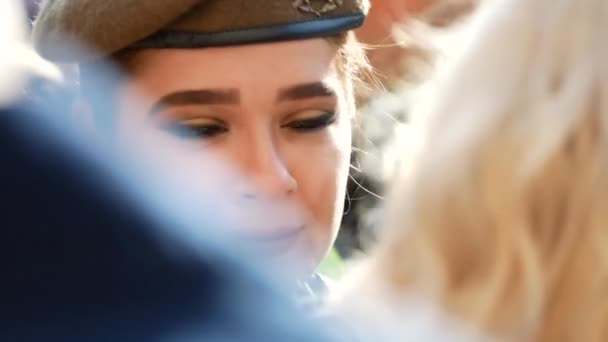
<point x="502" y="218"/>
<point x="18" y="61"/>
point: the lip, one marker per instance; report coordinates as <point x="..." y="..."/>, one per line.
<point x="275" y="235"/>
<point x="275" y="242"/>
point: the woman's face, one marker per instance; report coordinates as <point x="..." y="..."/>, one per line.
<point x="278" y="113"/>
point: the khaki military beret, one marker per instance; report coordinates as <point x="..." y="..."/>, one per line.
<point x="109" y="26"/>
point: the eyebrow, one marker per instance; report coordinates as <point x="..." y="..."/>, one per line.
<point x="306" y="91"/>
<point x="198" y="96"/>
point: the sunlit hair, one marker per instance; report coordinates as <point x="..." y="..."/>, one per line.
<point x="351" y="60"/>
<point x="501" y="216"/>
<point x="352" y="65"/>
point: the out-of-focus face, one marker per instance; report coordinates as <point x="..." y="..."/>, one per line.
<point x="278" y="113"/>
<point x="386" y="56"/>
<point x="384" y="14"/>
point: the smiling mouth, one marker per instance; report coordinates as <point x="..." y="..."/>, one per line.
<point x="274" y="243"/>
<point x="276" y="236"/>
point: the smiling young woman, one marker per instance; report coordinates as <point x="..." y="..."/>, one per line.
<point x="270" y="93"/>
<point x="271" y="121"/>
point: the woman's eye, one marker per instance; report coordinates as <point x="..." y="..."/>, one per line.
<point x="311" y="124"/>
<point x="196" y="130"/>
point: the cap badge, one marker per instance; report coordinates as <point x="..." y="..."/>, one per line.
<point x="324" y="7"/>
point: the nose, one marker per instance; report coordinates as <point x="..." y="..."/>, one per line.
<point x="267" y="175"/>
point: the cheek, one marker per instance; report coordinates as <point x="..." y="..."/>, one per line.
<point x="321" y="170"/>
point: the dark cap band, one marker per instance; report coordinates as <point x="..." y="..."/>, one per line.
<point x="321" y="27"/>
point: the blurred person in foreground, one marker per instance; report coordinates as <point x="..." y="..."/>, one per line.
<point x="266" y="86"/>
<point x="498" y="225"/>
<point x="88" y="250"/>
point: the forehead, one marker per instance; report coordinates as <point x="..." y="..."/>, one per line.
<point x="254" y="65"/>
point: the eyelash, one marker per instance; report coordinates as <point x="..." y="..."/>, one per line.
<point x="201" y="131"/>
<point x="211" y="130"/>
<point x="312" y="124"/>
